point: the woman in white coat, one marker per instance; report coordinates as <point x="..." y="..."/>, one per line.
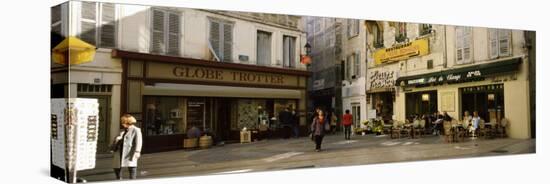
<point x="126" y="147"/>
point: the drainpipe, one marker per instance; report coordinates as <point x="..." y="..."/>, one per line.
<point x="445" y="43"/>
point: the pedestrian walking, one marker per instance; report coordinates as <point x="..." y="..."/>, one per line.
<point x="319" y="125"/>
<point x="126" y="147"/>
<point x="295" y="123"/>
<point x="347" y="121"/>
<point x="333" y="122"/>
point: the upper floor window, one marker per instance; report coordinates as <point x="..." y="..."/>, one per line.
<point x="424" y="29"/>
<point x="97" y="24"/>
<point x="347" y="67"/>
<point x="352" y="27"/>
<point x="289" y="51"/>
<point x="352" y="66"/>
<point x="499" y="43"/>
<point x="377" y="36"/>
<point x="165" y="32"/>
<point x="463" y="45"/>
<point x="263" y="48"/>
<point x="221" y="39"/>
<point x="400" y="32"/>
<point x="356" y="64"/>
<point x="56" y="17"/>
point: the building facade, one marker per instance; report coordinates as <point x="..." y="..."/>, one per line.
<point x="325" y="36"/>
<point x="354" y="70"/>
<point x="480" y="69"/>
<point x="175" y="68"/>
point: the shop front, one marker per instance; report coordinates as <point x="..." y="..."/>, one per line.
<point x="171" y="95"/>
<point x="495" y="90"/>
<point x="381" y="93"/>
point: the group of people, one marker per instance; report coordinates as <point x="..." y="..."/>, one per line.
<point x="322" y="123"/>
<point x="289" y="118"/>
<point x="471" y="123"/>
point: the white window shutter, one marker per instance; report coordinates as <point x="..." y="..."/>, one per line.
<point x="227" y="42"/>
<point x="107" y="36"/>
<point x="349" y="28"/>
<point x="493" y="43"/>
<point x="88" y="21"/>
<point x="215" y="38"/>
<point x="263" y="48"/>
<point x="286" y="49"/>
<point x="158" y="41"/>
<point x="504" y="42"/>
<point x="459" y="45"/>
<point x="173" y="34"/>
<point x="357" y="66"/>
<point x="357" y="27"/>
<point x="467" y="47"/>
<point x="292" y="52"/>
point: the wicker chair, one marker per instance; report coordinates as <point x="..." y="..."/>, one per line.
<point x="419" y="126"/>
<point x="501" y="130"/>
<point x="481" y="130"/>
<point x="396" y="129"/>
<point x="460" y="131"/>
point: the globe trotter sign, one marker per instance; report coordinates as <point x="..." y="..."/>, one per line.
<point x="411" y="49"/>
<point x="199" y="73"/>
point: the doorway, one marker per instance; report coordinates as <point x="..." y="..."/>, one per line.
<point x="420" y="103"/>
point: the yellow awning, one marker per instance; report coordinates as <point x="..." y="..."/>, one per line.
<point x="74" y="50"/>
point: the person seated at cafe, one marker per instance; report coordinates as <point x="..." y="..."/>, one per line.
<point x="438" y="123"/>
<point x="475" y="123"/>
<point x="466" y="120"/>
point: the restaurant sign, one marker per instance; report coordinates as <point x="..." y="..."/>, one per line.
<point x="472" y="73"/>
<point x="381" y="79"/>
<point x="411" y="49"/>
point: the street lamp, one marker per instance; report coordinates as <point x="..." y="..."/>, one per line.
<point x="306" y="59"/>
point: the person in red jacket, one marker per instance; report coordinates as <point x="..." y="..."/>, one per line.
<point x="347" y="121"/>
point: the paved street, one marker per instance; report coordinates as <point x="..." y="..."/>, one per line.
<point x="269" y="155"/>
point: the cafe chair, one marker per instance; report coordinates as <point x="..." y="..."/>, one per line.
<point x="460" y="131"/>
<point x="501" y="130"/>
<point x="419" y="126"/>
<point x="396" y="129"/>
<point x="481" y="130"/>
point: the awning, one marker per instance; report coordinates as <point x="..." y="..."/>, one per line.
<point x="459" y="75"/>
<point x="73" y="50"/>
<point x="168" y="89"/>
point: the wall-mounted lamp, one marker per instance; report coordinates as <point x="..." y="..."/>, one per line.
<point x="425" y="97"/>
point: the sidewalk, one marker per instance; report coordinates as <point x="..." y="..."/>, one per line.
<point x="270" y="155"/>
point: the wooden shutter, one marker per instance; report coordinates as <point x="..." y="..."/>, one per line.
<point x="348" y="27"/>
<point x="357" y="27"/>
<point x="286" y="54"/>
<point x="263" y="49"/>
<point x="348" y="67"/>
<point x="292" y="52"/>
<point x="504" y="43"/>
<point x="56" y="14"/>
<point x="459" y="45"/>
<point x="173" y="34"/>
<point x="467" y="47"/>
<point x="88" y="22"/>
<point x="493" y="43"/>
<point x="227" y="42"/>
<point x="157" y="43"/>
<point x="108" y="30"/>
<point x="357" y="64"/>
<point x="215" y="38"/>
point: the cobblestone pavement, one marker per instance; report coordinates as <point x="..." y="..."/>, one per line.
<point x="279" y="154"/>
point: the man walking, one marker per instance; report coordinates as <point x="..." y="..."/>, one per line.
<point x="347" y="122"/>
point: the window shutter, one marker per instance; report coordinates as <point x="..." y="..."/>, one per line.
<point x="504" y="42"/>
<point x="286" y="54"/>
<point x="215" y="38"/>
<point x="467" y="47"/>
<point x="459" y="45"/>
<point x="88" y="22"/>
<point x="493" y="43"/>
<point x="227" y="42"/>
<point x="349" y="28"/>
<point x="108" y="25"/>
<point x="173" y="34"/>
<point x="292" y="52"/>
<point x="56" y="14"/>
<point x="158" y="44"/>
<point x="357" y="27"/>
<point x="357" y="66"/>
<point x="348" y="67"/>
<point x="263" y="48"/>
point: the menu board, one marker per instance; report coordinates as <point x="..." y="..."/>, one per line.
<point x="448" y="101"/>
<point x="195" y="113"/>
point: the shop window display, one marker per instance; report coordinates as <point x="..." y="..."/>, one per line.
<point x="165" y="116"/>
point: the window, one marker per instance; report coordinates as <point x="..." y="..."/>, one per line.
<point x="352" y="27"/>
<point x="348" y="71"/>
<point x="97" y="24"/>
<point x="165" y="32"/>
<point x="424" y="29"/>
<point x="56" y="17"/>
<point x="317" y="27"/>
<point x="500" y="43"/>
<point x="289" y="52"/>
<point x="401" y="32"/>
<point x="463" y="45"/>
<point x="357" y="64"/>
<point x="221" y="39"/>
<point x="378" y="36"/>
<point x="263" y="48"/>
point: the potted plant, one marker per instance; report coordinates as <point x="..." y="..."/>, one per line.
<point x="377" y="126"/>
